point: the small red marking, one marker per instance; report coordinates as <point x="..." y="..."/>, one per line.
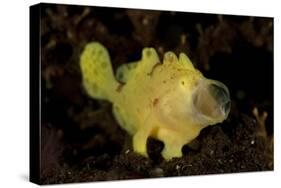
<point x="120" y="86"/>
<point x="155" y="101"/>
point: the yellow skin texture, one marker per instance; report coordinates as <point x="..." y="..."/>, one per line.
<point x="151" y="99"/>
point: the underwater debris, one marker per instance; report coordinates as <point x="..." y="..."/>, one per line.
<point x="261" y="132"/>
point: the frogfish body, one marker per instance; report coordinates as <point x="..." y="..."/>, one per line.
<point x="170" y="101"/>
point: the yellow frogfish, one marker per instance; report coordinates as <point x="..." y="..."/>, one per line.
<point x="170" y="101"/>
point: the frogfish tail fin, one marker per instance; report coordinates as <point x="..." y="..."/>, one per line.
<point x="97" y="74"/>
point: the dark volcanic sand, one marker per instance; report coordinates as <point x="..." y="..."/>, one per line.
<point x="81" y="141"/>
